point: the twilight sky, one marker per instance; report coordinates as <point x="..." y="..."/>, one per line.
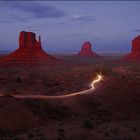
<point x="65" y="25"/>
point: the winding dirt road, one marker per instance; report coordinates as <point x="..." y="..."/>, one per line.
<point x="98" y="79"/>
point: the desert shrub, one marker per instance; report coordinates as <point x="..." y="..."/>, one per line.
<point x="8" y="94"/>
<point x="104" y="115"/>
<point x="60" y="130"/>
<point x="6" y="134"/>
<point x="106" y="134"/>
<point x="15" y="138"/>
<point x="18" y="80"/>
<point x="40" y="134"/>
<point x="30" y="135"/>
<point x="54" y="110"/>
<point x="134" y="129"/>
<point x="88" y="124"/>
<point x="105" y="70"/>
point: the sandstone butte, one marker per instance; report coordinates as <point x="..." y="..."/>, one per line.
<point x="134" y="55"/>
<point x="30" y="52"/>
<point x="86" y="50"/>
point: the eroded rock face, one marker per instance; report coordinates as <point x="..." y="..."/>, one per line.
<point x="136" y="44"/>
<point x="28" y="40"/>
<point x="29" y="52"/>
<point x="135" y="51"/>
<point x="86" y="50"/>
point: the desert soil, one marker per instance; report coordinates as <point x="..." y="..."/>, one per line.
<point x="111" y="112"/>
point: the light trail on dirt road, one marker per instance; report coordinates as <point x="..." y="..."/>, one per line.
<point x="41" y="97"/>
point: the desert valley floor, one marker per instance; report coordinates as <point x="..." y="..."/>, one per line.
<point x="111" y="112"/>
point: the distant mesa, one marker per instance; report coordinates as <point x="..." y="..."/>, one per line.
<point x="29" y="52"/>
<point x="86" y="50"/>
<point x="135" y="51"/>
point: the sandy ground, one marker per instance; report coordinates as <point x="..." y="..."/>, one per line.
<point x="111" y="112"/>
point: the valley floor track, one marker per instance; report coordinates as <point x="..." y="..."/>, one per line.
<point x="42" y="97"/>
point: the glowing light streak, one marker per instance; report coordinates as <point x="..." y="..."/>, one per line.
<point x="98" y="79"/>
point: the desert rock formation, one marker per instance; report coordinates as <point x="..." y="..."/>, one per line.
<point x="86" y="50"/>
<point x="135" y="51"/>
<point x="29" y="52"/>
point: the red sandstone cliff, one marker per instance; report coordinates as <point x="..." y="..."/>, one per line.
<point x="135" y="51"/>
<point x="29" y="52"/>
<point x="87" y="51"/>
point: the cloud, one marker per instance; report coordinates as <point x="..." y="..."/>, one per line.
<point x="32" y="28"/>
<point x="12" y="18"/>
<point x="37" y="10"/>
<point x="136" y="30"/>
<point x="83" y="18"/>
<point x="20" y="18"/>
<point x="6" y="21"/>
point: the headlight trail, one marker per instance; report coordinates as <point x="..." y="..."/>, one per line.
<point x="98" y="79"/>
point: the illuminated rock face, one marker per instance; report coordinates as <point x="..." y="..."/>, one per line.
<point x="135" y="51"/>
<point x="28" y="40"/>
<point x="136" y="44"/>
<point x="29" y="52"/>
<point x="87" y="51"/>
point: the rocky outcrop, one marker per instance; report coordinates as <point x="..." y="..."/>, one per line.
<point x="135" y="51"/>
<point x="28" y="40"/>
<point x="30" y="52"/>
<point x="86" y="50"/>
<point x="136" y="44"/>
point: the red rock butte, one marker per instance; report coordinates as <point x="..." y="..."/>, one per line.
<point x="29" y="52"/>
<point x="135" y="51"/>
<point x="86" y="50"/>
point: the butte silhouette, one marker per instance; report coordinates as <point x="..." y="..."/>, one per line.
<point x="30" y="52"/>
<point x="134" y="55"/>
<point x="86" y="50"/>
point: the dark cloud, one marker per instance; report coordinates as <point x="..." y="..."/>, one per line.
<point x="20" y="18"/>
<point x="84" y="18"/>
<point x="32" y="28"/>
<point x="37" y="10"/>
<point x="136" y="30"/>
<point x="6" y="21"/>
<point x="12" y="18"/>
